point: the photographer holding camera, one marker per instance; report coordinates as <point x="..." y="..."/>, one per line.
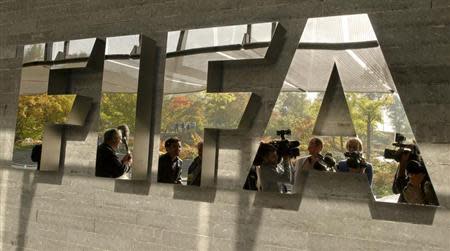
<point x="415" y="187"/>
<point x="411" y="178"/>
<point x="272" y="176"/>
<point x="355" y="161"/>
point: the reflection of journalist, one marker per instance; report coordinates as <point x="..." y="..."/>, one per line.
<point x="355" y="145"/>
<point x="413" y="183"/>
<point x="107" y="162"/>
<point x="308" y="162"/>
<point x="272" y="176"/>
<point x="169" y="165"/>
<point x="195" y="169"/>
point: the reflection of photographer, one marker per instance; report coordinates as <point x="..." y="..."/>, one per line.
<point x="285" y="147"/>
<point x="271" y="175"/>
<point x="315" y="161"/>
<point x="411" y="149"/>
<point x="411" y="179"/>
<point x="315" y="146"/>
<point x="355" y="161"/>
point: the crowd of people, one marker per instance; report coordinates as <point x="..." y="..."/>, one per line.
<point x="109" y="165"/>
<point x="272" y="171"/>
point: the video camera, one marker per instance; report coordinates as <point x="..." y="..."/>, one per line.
<point x="325" y="163"/>
<point x="403" y="148"/>
<point x="284" y="146"/>
<point x="355" y="160"/>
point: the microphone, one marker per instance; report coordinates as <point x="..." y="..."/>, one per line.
<point x="125" y="143"/>
<point x="125" y="130"/>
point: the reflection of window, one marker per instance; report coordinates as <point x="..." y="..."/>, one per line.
<point x="58" y="48"/>
<point x="172" y="40"/>
<point x="121" y="45"/>
<point x="80" y="48"/>
<point x="33" y="52"/>
<point x="261" y="32"/>
<point x="338" y="29"/>
<point x="216" y="36"/>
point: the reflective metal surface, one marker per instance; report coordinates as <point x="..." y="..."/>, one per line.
<point x="264" y="78"/>
<point x="334" y="116"/>
<point x="145" y="115"/>
<point x="86" y="82"/>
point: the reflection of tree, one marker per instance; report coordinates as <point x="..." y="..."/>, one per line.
<point x="117" y="109"/>
<point x="366" y="111"/>
<point x="35" y="111"/>
<point x="292" y="110"/>
<point x="33" y="53"/>
<point x="398" y="116"/>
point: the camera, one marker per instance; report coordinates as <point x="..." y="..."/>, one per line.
<point x="325" y="163"/>
<point x="286" y="147"/>
<point x="355" y="160"/>
<point x="403" y="148"/>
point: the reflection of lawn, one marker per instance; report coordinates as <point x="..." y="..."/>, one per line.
<point x="22" y="154"/>
<point x="21" y="147"/>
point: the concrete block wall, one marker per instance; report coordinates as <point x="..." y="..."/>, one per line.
<point x="75" y="211"/>
<point x="86" y="214"/>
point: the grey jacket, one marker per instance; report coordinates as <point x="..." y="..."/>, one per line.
<point x="273" y="178"/>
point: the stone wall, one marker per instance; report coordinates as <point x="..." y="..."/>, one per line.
<point x="75" y="211"/>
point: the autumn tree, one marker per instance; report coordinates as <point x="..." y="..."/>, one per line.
<point x="33" y="52"/>
<point x="366" y="112"/>
<point x="35" y="111"/>
<point x="117" y="109"/>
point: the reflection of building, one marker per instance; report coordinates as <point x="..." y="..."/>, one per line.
<point x="184" y="126"/>
<point x="77" y="211"/>
<point x="358" y="56"/>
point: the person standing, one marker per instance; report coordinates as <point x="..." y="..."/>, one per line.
<point x="272" y="176"/>
<point x="195" y="169"/>
<point x="315" y="146"/>
<point x="354" y="145"/>
<point x="107" y="162"/>
<point x="169" y="165"/>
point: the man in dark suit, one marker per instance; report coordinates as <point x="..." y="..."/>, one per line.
<point x="107" y="163"/>
<point x="169" y="165"/>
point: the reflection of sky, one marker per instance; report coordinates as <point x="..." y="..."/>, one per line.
<point x="114" y="45"/>
<point x="362" y="70"/>
<point x="336" y="29"/>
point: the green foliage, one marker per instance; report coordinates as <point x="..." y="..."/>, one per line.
<point x="383" y="176"/>
<point x="33" y="52"/>
<point x="398" y="116"/>
<point x="117" y="109"/>
<point x="293" y="110"/>
<point x="366" y="112"/>
<point x="366" y="109"/>
<point x="181" y="109"/>
<point x="35" y="111"/>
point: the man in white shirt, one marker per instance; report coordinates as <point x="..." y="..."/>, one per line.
<point x="307" y="163"/>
